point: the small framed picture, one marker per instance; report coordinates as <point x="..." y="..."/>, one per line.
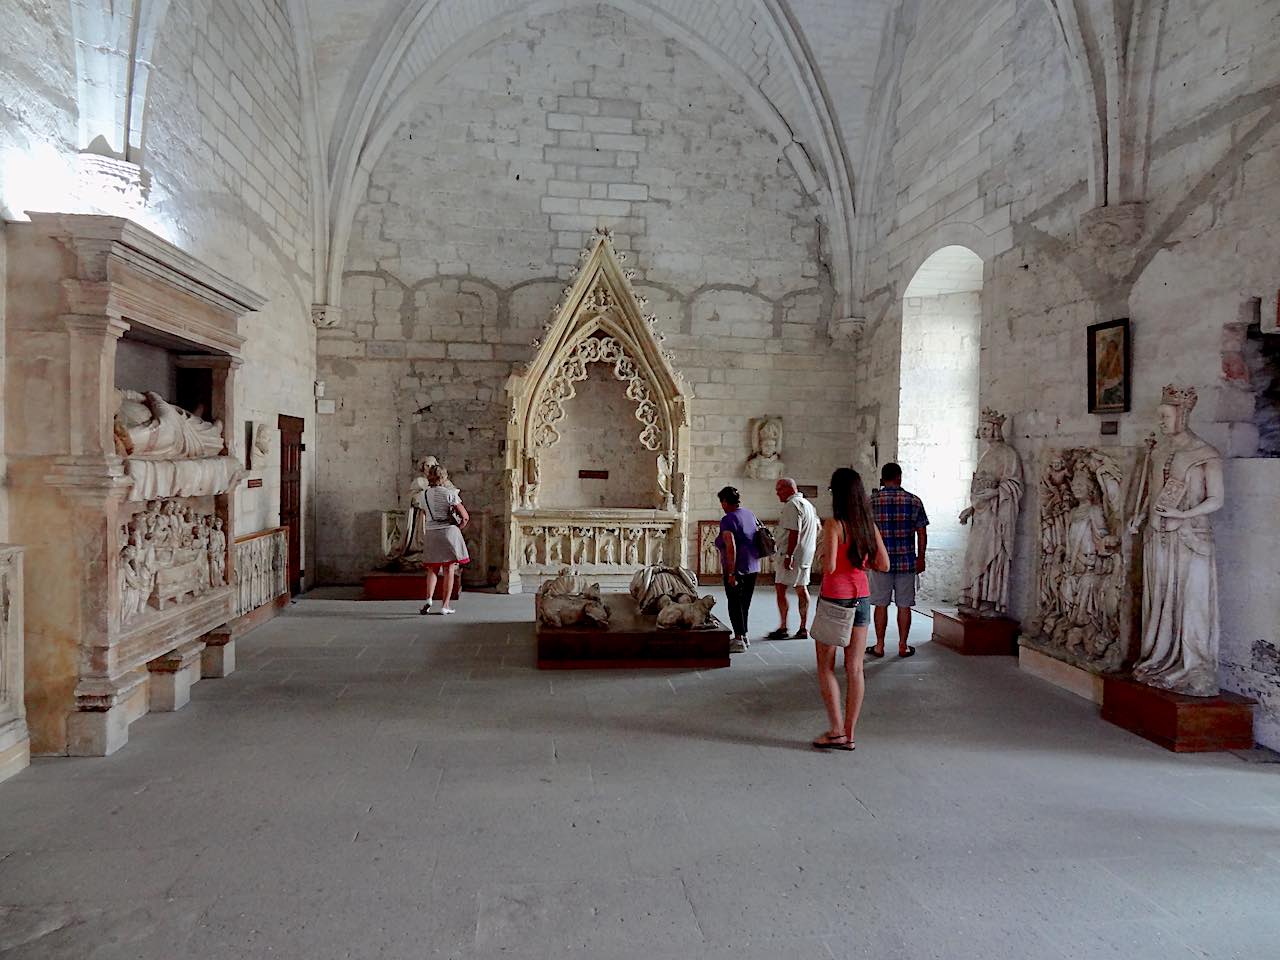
<point x="1109" y="365"/>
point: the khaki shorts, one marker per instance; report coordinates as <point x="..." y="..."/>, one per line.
<point x="896" y="588"/>
<point x="797" y="576"/>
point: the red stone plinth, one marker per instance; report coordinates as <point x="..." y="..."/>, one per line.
<point x="1179" y="723"/>
<point x="632" y="639"/>
<point x="405" y="586"/>
<point x="976" y="636"/>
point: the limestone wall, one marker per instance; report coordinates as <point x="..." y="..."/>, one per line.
<point x="476" y="212"/>
<point x="225" y="147"/>
<point x="37" y="134"/>
<point x="987" y="144"/>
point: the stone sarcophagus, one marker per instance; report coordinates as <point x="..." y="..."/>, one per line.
<point x="598" y="444"/>
<point x="121" y="481"/>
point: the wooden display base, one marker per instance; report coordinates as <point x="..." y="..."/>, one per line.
<point x="976" y="636"/>
<point x="631" y="639"/>
<point x="1069" y="677"/>
<point x="380" y="585"/>
<point x="1176" y="722"/>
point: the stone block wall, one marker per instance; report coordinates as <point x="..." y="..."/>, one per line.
<point x="225" y="149"/>
<point x="473" y="218"/>
<point x="1013" y="182"/>
<point x="37" y="136"/>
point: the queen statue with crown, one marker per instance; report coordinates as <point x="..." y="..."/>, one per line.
<point x="1180" y="487"/>
<point x="992" y="515"/>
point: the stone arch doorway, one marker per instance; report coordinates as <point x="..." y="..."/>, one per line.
<point x="938" y="401"/>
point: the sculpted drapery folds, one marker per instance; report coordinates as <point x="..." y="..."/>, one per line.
<point x="994" y="494"/>
<point x="1081" y="577"/>
<point x="169" y="452"/>
<point x="157" y="430"/>
<point x="1181" y="486"/>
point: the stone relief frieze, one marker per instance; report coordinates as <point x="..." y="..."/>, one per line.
<point x="170" y="553"/>
<point x="616" y="544"/>
<point x="1082" y="581"/>
<point x="262" y="570"/>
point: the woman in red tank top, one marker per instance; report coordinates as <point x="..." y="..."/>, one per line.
<point x="851" y="545"/>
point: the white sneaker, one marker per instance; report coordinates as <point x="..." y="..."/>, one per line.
<point x="448" y="610"/>
<point x="737" y="645"/>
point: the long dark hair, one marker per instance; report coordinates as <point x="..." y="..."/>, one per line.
<point x="852" y="509"/>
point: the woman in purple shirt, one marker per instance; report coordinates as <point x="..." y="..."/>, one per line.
<point x="740" y="562"/>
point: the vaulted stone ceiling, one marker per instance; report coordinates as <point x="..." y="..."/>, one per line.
<point x="805" y="66"/>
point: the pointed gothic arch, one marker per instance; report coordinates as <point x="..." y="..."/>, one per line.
<point x="599" y="319"/>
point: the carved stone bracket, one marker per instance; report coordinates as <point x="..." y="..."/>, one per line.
<point x="1112" y="235"/>
<point x="325" y="316"/>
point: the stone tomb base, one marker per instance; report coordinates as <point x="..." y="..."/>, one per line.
<point x="632" y="639"/>
<point x="1176" y="722"/>
<point x="1060" y="673"/>
<point x="381" y="585"/>
<point x="976" y="636"/>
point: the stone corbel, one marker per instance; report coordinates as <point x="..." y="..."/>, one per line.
<point x="1111" y="235"/>
<point x="325" y="316"/>
<point x="846" y="331"/>
<point x="111" y="186"/>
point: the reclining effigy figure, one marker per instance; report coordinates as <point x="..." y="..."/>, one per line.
<point x="651" y="584"/>
<point x="569" y="600"/>
<point x="689" y="615"/>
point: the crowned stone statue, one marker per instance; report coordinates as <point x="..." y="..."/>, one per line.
<point x="1181" y="486"/>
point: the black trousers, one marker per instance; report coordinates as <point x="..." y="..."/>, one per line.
<point x="739" y="596"/>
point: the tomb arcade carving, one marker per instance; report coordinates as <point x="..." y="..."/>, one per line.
<point x="597" y="323"/>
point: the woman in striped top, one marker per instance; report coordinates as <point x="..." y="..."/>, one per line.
<point x="439" y="518"/>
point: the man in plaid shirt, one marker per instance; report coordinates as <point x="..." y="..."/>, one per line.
<point x="902" y="521"/>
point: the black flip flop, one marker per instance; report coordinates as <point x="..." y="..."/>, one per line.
<point x="778" y="635"/>
<point x="871" y="652"/>
<point x="911" y="652"/>
<point x="837" y="743"/>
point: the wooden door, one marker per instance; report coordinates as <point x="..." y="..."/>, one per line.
<point x="291" y="448"/>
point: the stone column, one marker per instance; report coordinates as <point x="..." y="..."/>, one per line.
<point x="85" y="712"/>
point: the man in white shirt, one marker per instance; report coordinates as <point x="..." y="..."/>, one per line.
<point x="797" y="541"/>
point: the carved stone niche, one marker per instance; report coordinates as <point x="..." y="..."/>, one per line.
<point x="599" y="327"/>
<point x="124" y="599"/>
<point x="1086" y="581"/>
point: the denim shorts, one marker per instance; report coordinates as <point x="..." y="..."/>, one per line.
<point x="861" y="604"/>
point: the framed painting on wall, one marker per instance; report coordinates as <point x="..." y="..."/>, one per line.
<point x="1109" y="366"/>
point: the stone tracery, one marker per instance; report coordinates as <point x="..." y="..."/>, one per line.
<point x="596" y="349"/>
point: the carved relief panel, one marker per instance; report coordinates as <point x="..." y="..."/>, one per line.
<point x="1084" y="578"/>
<point x="171" y="551"/>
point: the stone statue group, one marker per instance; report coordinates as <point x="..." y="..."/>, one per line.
<point x="1085" y="528"/>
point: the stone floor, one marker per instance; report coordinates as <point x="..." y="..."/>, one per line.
<point x="372" y="783"/>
